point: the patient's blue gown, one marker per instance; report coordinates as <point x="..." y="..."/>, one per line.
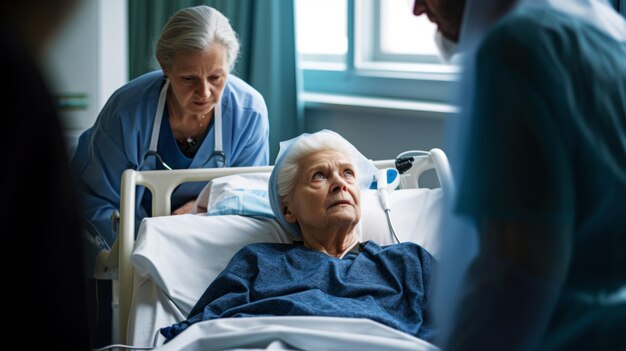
<point x="389" y="284"/>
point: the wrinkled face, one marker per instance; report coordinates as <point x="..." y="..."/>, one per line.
<point x="197" y="79"/>
<point x="446" y="14"/>
<point x="326" y="196"/>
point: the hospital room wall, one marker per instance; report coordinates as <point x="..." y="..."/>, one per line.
<point x="87" y="62"/>
<point x="380" y="133"/>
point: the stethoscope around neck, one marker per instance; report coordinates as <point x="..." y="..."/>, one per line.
<point x="218" y="153"/>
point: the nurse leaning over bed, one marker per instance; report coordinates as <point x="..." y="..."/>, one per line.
<point x="192" y="113"/>
<point x="327" y="271"/>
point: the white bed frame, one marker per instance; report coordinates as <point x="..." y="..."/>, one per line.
<point x="162" y="183"/>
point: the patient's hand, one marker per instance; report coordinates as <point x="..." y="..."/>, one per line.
<point x="186" y="208"/>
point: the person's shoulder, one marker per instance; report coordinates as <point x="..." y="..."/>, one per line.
<point x="534" y="26"/>
<point x="403" y="248"/>
<point x="139" y="87"/>
<point x="131" y="98"/>
<point x="534" y="17"/>
<point x="523" y="37"/>
<point x="240" y="86"/>
<point x="242" y="94"/>
<point x="247" y="261"/>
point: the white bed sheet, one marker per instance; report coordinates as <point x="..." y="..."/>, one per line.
<point x="261" y="333"/>
<point x="294" y="333"/>
<point x="151" y="310"/>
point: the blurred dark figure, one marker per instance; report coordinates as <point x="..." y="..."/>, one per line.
<point x="538" y="153"/>
<point x="43" y="254"/>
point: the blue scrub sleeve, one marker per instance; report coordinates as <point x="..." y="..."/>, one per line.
<point x="255" y="138"/>
<point x="100" y="170"/>
<point x="516" y="165"/>
<point x="516" y="171"/>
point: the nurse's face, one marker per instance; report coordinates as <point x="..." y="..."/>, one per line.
<point x="326" y="197"/>
<point x="446" y="14"/>
<point x="197" y="79"/>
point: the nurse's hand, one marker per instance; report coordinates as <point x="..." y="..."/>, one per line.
<point x="186" y="208"/>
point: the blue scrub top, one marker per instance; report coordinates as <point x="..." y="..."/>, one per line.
<point x="547" y="143"/>
<point x="121" y="136"/>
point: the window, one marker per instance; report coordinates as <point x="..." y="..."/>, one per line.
<point x="398" y="28"/>
<point x="372" y="48"/>
<point x="388" y="32"/>
<point x="321" y="30"/>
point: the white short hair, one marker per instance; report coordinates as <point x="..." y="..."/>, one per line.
<point x="287" y="174"/>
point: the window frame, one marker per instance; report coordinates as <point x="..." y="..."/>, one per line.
<point x="368" y="22"/>
<point x="374" y="73"/>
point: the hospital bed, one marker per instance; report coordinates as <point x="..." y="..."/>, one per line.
<point x="174" y="258"/>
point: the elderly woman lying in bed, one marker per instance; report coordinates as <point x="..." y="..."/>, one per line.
<point x="315" y="194"/>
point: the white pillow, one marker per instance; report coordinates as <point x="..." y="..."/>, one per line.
<point x="183" y="254"/>
<point x="419" y="209"/>
<point x="415" y="215"/>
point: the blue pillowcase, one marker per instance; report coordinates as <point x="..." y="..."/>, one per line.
<point x="240" y="201"/>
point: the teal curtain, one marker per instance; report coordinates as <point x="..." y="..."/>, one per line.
<point x="267" y="59"/>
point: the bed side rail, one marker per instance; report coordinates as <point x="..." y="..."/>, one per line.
<point x="161" y="184"/>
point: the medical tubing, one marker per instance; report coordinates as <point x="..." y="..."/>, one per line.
<point x="382" y="187"/>
<point x="383" y="193"/>
<point x="390" y="224"/>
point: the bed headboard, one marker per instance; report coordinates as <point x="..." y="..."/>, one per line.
<point x="162" y="183"/>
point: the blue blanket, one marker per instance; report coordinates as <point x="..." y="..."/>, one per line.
<point x="389" y="284"/>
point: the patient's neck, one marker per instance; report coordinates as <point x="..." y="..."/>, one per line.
<point x="336" y="246"/>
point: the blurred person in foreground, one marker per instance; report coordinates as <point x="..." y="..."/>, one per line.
<point x="42" y="252"/>
<point x="539" y="158"/>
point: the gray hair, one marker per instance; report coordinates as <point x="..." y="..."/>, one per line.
<point x="196" y="29"/>
<point x="286" y="178"/>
